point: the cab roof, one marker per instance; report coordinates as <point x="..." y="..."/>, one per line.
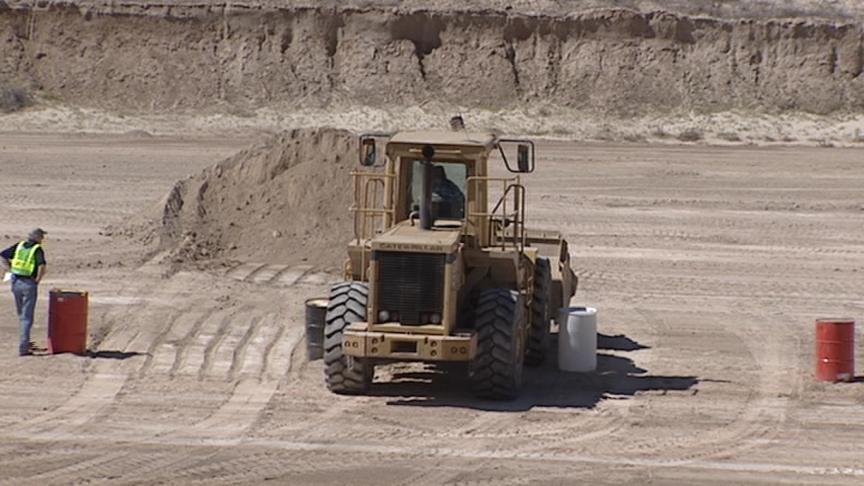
<point x="446" y="137"/>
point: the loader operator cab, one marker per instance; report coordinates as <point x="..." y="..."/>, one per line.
<point x="448" y="189"/>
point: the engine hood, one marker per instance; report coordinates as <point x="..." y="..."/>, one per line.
<point x="407" y="237"/>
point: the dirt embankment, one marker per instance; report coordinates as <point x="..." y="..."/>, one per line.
<point x="147" y="57"/>
<point x="285" y="200"/>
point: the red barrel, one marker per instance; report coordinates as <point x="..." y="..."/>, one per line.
<point x="67" y="322"/>
<point x="835" y="349"/>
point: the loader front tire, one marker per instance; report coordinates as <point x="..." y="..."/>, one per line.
<point x="496" y="370"/>
<point x="345" y="374"/>
<point x="538" y="338"/>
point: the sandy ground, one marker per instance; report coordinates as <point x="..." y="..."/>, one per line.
<point x="708" y="264"/>
<point x="722" y="128"/>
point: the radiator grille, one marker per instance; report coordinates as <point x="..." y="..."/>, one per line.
<point x="410" y="283"/>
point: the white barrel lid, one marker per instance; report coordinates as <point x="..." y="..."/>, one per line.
<point x="579" y="310"/>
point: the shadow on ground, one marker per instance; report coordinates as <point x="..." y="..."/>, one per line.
<point x="617" y="377"/>
<point x="618" y="342"/>
<point x="112" y="354"/>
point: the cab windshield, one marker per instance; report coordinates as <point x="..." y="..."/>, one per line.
<point x="448" y="188"/>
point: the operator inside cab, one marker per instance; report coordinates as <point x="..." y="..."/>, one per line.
<point x="448" y="196"/>
<point x="448" y="201"/>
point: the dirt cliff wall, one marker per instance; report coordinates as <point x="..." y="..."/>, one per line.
<point x="147" y="57"/>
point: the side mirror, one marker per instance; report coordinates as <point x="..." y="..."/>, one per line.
<point x="523" y="158"/>
<point x="367" y="152"/>
<point x="525" y="161"/>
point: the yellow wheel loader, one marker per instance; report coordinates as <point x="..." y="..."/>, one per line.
<point x="441" y="267"/>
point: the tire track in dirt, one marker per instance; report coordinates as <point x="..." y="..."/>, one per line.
<point x="436" y="473"/>
<point x="273" y="348"/>
<point x="193" y="358"/>
<point x="770" y="411"/>
<point x="261" y="361"/>
<point x="105" y="380"/>
<point x="755" y="421"/>
<point x="292" y="275"/>
<point x="264" y="273"/>
<point x="165" y="349"/>
<point x="223" y="468"/>
<point x="154" y="465"/>
<point x="607" y="419"/>
<point x="191" y="346"/>
<point x="232" y="339"/>
<point x="259" y="379"/>
<point x="18" y="470"/>
<point x="243" y="271"/>
<point x="267" y="274"/>
<point x="384" y="453"/>
<point x="93" y="396"/>
<point x="209" y="340"/>
<point x="747" y="230"/>
<point x="102" y="465"/>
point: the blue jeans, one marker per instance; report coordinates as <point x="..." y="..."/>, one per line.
<point x="25" y="291"/>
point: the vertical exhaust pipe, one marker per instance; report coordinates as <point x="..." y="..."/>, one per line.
<point x="426" y="198"/>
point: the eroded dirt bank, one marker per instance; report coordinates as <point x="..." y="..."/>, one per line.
<point x="149" y="57"/>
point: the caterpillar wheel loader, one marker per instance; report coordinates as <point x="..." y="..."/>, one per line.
<point x="441" y="267"/>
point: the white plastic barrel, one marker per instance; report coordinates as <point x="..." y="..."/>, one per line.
<point x="577" y="339"/>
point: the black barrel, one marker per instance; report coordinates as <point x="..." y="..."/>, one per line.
<point x="316" y="312"/>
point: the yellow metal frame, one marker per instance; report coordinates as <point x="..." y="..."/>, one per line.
<point x="369" y="188"/>
<point x="510" y="186"/>
<point x="357" y="341"/>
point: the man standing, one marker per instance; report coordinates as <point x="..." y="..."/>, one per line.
<point x="26" y="262"/>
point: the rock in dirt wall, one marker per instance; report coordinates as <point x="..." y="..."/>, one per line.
<point x="145" y="57"/>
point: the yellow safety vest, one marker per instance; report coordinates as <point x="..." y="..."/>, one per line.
<point x="24" y="261"/>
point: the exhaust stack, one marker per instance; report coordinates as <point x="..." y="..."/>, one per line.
<point x="426" y="198"/>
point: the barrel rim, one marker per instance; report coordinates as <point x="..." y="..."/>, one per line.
<point x="66" y="292"/>
<point x="317" y="302"/>
<point x="836" y="320"/>
<point x="578" y="310"/>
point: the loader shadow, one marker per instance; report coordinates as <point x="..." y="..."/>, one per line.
<point x="619" y="342"/>
<point x="120" y="355"/>
<point x="616" y="378"/>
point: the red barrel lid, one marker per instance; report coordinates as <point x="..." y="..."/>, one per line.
<point x="67" y="293"/>
<point x="836" y="320"/>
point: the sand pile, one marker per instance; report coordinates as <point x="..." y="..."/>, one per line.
<point x="283" y="201"/>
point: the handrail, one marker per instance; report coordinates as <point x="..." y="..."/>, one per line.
<point x="512" y="188"/>
<point x="518" y="233"/>
<point x="366" y="211"/>
<point x="366" y="197"/>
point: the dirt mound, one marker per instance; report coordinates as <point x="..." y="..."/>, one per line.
<point x="283" y="201"/>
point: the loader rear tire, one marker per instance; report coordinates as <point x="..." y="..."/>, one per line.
<point x="496" y="370"/>
<point x="538" y="338"/>
<point x="345" y="374"/>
